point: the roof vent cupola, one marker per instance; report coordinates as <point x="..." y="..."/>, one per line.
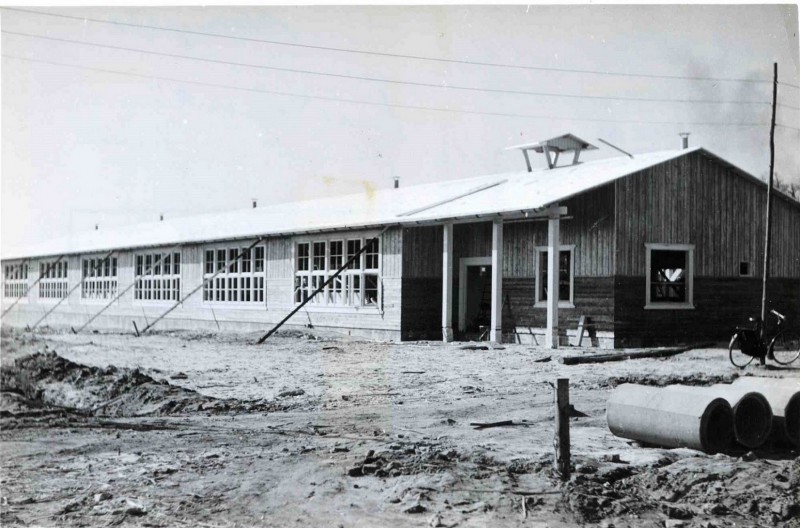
<point x="552" y="149"/>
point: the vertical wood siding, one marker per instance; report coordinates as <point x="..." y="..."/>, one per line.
<point x="695" y="200"/>
<point x="422" y="252"/>
<point x="591" y="230"/>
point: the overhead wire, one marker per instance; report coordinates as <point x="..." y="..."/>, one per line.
<point x="383" y="80"/>
<point x="374" y="103"/>
<point x="392" y="55"/>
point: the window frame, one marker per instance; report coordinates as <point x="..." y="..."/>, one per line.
<point x="12" y="285"/>
<point x="149" y="258"/>
<point x="108" y="282"/>
<point x="562" y="303"/>
<point x="655" y="305"/>
<point x="350" y="279"/>
<point x="55" y="284"/>
<point x="217" y="291"/>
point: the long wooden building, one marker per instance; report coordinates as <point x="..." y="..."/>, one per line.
<point x="653" y="249"/>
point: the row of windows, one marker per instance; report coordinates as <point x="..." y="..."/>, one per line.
<point x="158" y="277"/>
<point x="15" y="272"/>
<point x="16" y="279"/>
<point x="357" y="285"/>
<point x="53" y="270"/>
<point x="237" y="279"/>
<point x="99" y="278"/>
<point x="53" y="280"/>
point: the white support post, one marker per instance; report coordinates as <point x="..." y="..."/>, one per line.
<point x="496" y="331"/>
<point x="553" y="251"/>
<point x="447" y="283"/>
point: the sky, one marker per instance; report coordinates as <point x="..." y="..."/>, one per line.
<point x="84" y="147"/>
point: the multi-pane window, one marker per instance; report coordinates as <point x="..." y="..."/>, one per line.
<point x="53" y="283"/>
<point x="669" y="276"/>
<point x="239" y="280"/>
<point x="15" y="279"/>
<point x="99" y="278"/>
<point x="358" y="285"/>
<point x="158" y="276"/>
<point x="565" y="275"/>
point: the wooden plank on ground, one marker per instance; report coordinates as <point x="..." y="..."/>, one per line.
<point x="604" y="358"/>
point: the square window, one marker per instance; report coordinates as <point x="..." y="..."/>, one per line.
<point x="744" y="269"/>
<point x="669" y="276"/>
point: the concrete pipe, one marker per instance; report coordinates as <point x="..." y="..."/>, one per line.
<point x="752" y="413"/>
<point x="671" y="418"/>
<point x="783" y="396"/>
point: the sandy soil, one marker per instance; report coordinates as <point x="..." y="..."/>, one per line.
<point x="321" y="432"/>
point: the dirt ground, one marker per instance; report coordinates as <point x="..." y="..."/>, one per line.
<point x="190" y="429"/>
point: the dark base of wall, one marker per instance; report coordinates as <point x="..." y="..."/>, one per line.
<point x="421" y="309"/>
<point x="594" y="298"/>
<point x="720" y="305"/>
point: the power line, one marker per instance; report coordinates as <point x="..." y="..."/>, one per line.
<point x="372" y="103"/>
<point x="390" y="81"/>
<point x="392" y="55"/>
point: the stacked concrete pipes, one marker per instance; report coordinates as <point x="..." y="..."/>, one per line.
<point x="783" y="396"/>
<point x="707" y="418"/>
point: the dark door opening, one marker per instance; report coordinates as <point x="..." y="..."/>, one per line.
<point x="478" y="305"/>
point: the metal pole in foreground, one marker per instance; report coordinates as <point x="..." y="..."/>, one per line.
<point x="322" y="286"/>
<point x="209" y="279"/>
<point x="767" y="236"/>
<point x="561" y="439"/>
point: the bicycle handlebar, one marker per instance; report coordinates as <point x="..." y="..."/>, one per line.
<point x="779" y="316"/>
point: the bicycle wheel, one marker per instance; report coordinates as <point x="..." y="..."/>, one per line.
<point x="785" y="347"/>
<point x="738" y="358"/>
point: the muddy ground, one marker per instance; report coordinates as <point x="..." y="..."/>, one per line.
<point x="188" y="429"/>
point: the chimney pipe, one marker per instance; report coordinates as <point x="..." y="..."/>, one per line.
<point x="684" y="140"/>
<point x="255" y="203"/>
<point x="96" y="227"/>
<point x="396" y="182"/>
<point x="161" y="217"/>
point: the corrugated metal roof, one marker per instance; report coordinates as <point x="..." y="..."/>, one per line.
<point x="455" y="199"/>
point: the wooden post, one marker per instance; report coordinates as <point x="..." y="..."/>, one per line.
<point x="767" y="236"/>
<point x="553" y="253"/>
<point x="496" y="328"/>
<point x="447" y="283"/>
<point x="561" y="439"/>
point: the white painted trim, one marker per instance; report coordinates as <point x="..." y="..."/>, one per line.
<point x="689" y="305"/>
<point x="463" y="263"/>
<point x="539" y="303"/>
<point x="447" y="282"/>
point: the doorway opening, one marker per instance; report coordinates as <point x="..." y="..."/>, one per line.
<point x="475" y="298"/>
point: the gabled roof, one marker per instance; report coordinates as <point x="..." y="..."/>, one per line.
<point x="506" y="194"/>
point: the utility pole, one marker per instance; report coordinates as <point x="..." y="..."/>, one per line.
<point x="768" y="234"/>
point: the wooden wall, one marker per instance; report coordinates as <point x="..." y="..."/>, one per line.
<point x="695" y="200"/>
<point x="421" y="312"/>
<point x="591" y="230"/>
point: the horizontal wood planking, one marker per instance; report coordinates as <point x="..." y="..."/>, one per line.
<point x="695" y="200"/>
<point x="720" y="305"/>
<point x="594" y="298"/>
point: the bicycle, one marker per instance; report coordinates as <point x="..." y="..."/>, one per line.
<point x="748" y="344"/>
